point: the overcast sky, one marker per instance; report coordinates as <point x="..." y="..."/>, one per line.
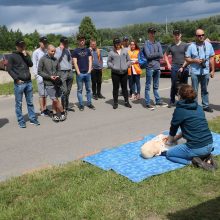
<point x="57" y="16"/>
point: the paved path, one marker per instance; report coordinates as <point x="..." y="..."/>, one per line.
<point x="22" y="150"/>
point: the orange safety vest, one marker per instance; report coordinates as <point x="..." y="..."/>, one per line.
<point x="98" y="53"/>
<point x="134" y="55"/>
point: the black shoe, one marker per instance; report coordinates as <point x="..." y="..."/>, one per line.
<point x="128" y="105"/>
<point x="150" y="107"/>
<point x="171" y="105"/>
<point x="70" y="109"/>
<point x="81" y="107"/>
<point x="63" y="116"/>
<point x="211" y="161"/>
<point x="115" y="105"/>
<point x="161" y="104"/>
<point x="197" y="162"/>
<point x="91" y="106"/>
<point x="208" y="109"/>
<point x="100" y="96"/>
<point x="95" y="97"/>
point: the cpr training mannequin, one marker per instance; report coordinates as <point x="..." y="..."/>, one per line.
<point x="155" y="146"/>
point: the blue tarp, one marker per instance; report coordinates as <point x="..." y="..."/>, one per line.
<point x="127" y="161"/>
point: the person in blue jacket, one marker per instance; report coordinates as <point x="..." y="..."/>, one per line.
<point x="190" y="118"/>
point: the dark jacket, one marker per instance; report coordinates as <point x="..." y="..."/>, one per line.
<point x="18" y="66"/>
<point x="47" y="67"/>
<point x="190" y="117"/>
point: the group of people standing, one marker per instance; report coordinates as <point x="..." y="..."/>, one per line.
<point x="53" y="70"/>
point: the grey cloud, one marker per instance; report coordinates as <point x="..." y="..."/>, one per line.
<point x="95" y="5"/>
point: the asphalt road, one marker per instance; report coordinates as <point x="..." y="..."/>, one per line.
<point x="25" y="150"/>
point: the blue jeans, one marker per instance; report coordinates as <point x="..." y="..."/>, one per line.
<point x="183" y="154"/>
<point x="27" y="90"/>
<point x="155" y="74"/>
<point x="136" y="84"/>
<point x="203" y="80"/>
<point x="86" y="78"/>
<point x="175" y="79"/>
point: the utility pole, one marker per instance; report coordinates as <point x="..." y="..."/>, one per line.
<point x="166" y="26"/>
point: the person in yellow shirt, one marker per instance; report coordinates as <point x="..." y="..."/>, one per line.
<point x="134" y="71"/>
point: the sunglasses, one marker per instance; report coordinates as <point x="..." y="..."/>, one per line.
<point x="200" y="35"/>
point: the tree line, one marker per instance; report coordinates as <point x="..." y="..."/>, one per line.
<point x="104" y="36"/>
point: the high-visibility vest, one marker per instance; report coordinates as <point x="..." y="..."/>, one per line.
<point x="98" y="53"/>
<point x="134" y="56"/>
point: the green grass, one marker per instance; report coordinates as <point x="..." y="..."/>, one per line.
<point x="8" y="88"/>
<point x="78" y="190"/>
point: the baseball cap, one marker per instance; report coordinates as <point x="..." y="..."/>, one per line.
<point x="176" y="32"/>
<point x="43" y="39"/>
<point x="64" y="40"/>
<point x="116" y="41"/>
<point x="125" y="38"/>
<point x="151" y="30"/>
<point x="20" y="42"/>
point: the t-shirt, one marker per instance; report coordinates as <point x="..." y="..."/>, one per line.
<point x="177" y="52"/>
<point x="66" y="62"/>
<point x="204" y="51"/>
<point x="82" y="55"/>
<point x="36" y="56"/>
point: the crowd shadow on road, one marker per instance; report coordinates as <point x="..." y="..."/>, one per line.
<point x="206" y="210"/>
<point x="3" y="122"/>
<point x="26" y="118"/>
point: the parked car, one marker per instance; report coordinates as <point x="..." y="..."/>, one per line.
<point x="104" y="55"/>
<point x="216" y="47"/>
<point x="163" y="65"/>
<point x="3" y="61"/>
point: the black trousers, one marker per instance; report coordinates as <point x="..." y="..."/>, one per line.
<point x="96" y="76"/>
<point x="67" y="82"/>
<point x="120" y="79"/>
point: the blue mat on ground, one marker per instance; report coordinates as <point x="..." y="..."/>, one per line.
<point x="126" y="160"/>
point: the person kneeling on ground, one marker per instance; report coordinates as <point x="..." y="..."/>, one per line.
<point x="49" y="69"/>
<point x="190" y="117"/>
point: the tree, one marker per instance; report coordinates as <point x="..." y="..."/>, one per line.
<point x="87" y="29"/>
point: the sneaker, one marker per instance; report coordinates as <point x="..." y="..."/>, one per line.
<point x="63" y="116"/>
<point x="171" y="105"/>
<point x="208" y="109"/>
<point x="161" y="104"/>
<point x="128" y="105"/>
<point x="81" y="107"/>
<point x="197" y="162"/>
<point x="150" y="107"/>
<point x="70" y="109"/>
<point x="91" y="106"/>
<point x="210" y="160"/>
<point x="22" y="125"/>
<point x="100" y="96"/>
<point x="35" y="122"/>
<point x="55" y="118"/>
<point x="115" y="105"/>
<point x="95" y="97"/>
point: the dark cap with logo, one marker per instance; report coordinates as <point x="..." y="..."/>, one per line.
<point x="151" y="30"/>
<point x="64" y="40"/>
<point x="176" y="32"/>
<point x="125" y="38"/>
<point x="20" y="42"/>
<point x="43" y="39"/>
<point x="116" y="41"/>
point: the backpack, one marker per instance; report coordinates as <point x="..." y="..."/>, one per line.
<point x="142" y="59"/>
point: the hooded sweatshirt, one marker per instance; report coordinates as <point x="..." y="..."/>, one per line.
<point x="119" y="63"/>
<point x="18" y="66"/>
<point x="190" y="117"/>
